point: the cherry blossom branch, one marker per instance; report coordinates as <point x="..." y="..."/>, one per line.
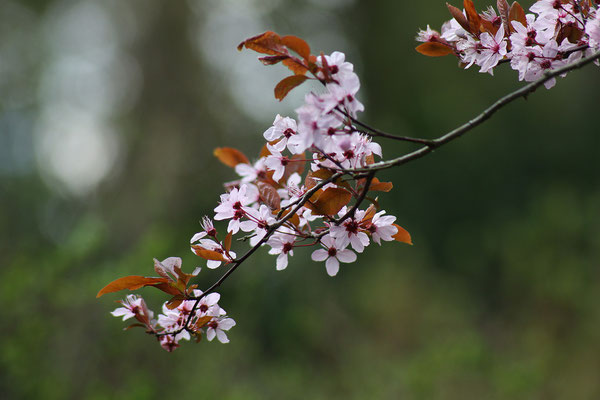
<point x="374" y="132"/>
<point x="480" y="118"/>
<point x="359" y="200"/>
<point x="430" y="145"/>
<point x="272" y="228"/>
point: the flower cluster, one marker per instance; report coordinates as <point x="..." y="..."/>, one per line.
<point x="557" y="33"/>
<point x="306" y="188"/>
<point x="183" y="317"/>
<point x="273" y="183"/>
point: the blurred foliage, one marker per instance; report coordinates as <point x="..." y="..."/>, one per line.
<point x="497" y="299"/>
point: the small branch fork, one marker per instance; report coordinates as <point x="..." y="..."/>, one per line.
<point x="370" y="171"/>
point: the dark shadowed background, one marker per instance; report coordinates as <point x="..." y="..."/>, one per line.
<point x="109" y="111"/>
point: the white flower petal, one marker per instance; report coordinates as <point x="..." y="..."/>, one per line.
<point x="282" y="261"/>
<point x="211" y="299"/>
<point x="346" y="256"/>
<point x="197" y="236"/>
<point x="332" y="265"/>
<point x="320" y="255"/>
<point x="226" y="324"/>
<point x="210" y="334"/>
<point x="222" y="336"/>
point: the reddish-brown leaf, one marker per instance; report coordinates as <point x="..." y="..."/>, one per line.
<point x="503" y="10"/>
<point x="472" y="16"/>
<point x="202" y="321"/>
<point x="369" y="213"/>
<point x="570" y="32"/>
<point x="175" y="302"/>
<point x="313" y="177"/>
<point x="296" y="67"/>
<point x="379" y="186"/>
<point x="265" y="43"/>
<point x="230" y="156"/>
<point x="131" y="282"/>
<point x="168" y="288"/>
<point x="227" y="241"/>
<point x="402" y="235"/>
<point x="269" y="195"/>
<point x="296" y="44"/>
<point x="434" y="49"/>
<point x="488" y="26"/>
<point x="287" y="84"/>
<point x="516" y="13"/>
<point x="459" y="17"/>
<point x="272" y="60"/>
<point x="208" y="254"/>
<point x="331" y="201"/>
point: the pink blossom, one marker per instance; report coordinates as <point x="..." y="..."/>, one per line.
<point x="282" y="244"/>
<point x="250" y="173"/>
<point x="494" y="49"/>
<point x="232" y="204"/>
<point x="382" y="228"/>
<point x="217" y="327"/>
<point x="283" y="129"/>
<point x="349" y="231"/>
<point x="134" y="306"/>
<point x="333" y="254"/>
<point x="427" y="35"/>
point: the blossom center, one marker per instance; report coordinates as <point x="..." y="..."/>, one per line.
<point x="288" y="133"/>
<point x="352" y="226"/>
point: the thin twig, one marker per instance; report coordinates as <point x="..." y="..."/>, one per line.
<point x="359" y="199"/>
<point x="374" y="132"/>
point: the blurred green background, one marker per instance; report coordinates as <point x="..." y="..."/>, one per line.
<point x="109" y="111"/>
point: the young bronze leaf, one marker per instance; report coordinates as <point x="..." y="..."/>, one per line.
<point x="295" y="66"/>
<point x="516" y="13"/>
<point x="265" y="43"/>
<point x="313" y="177"/>
<point x="379" y="186"/>
<point x="434" y="49"/>
<point x="472" y="16"/>
<point x="168" y="288"/>
<point x="402" y="235"/>
<point x="131" y="282"/>
<point x="287" y="84"/>
<point x="488" y="26"/>
<point x="331" y="201"/>
<point x="208" y="254"/>
<point x="459" y="17"/>
<point x="296" y="44"/>
<point x="369" y="214"/>
<point x="227" y="241"/>
<point x="269" y="195"/>
<point x="202" y="321"/>
<point x="272" y="60"/>
<point x="230" y="156"/>
<point x="175" y="302"/>
<point x="503" y="9"/>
